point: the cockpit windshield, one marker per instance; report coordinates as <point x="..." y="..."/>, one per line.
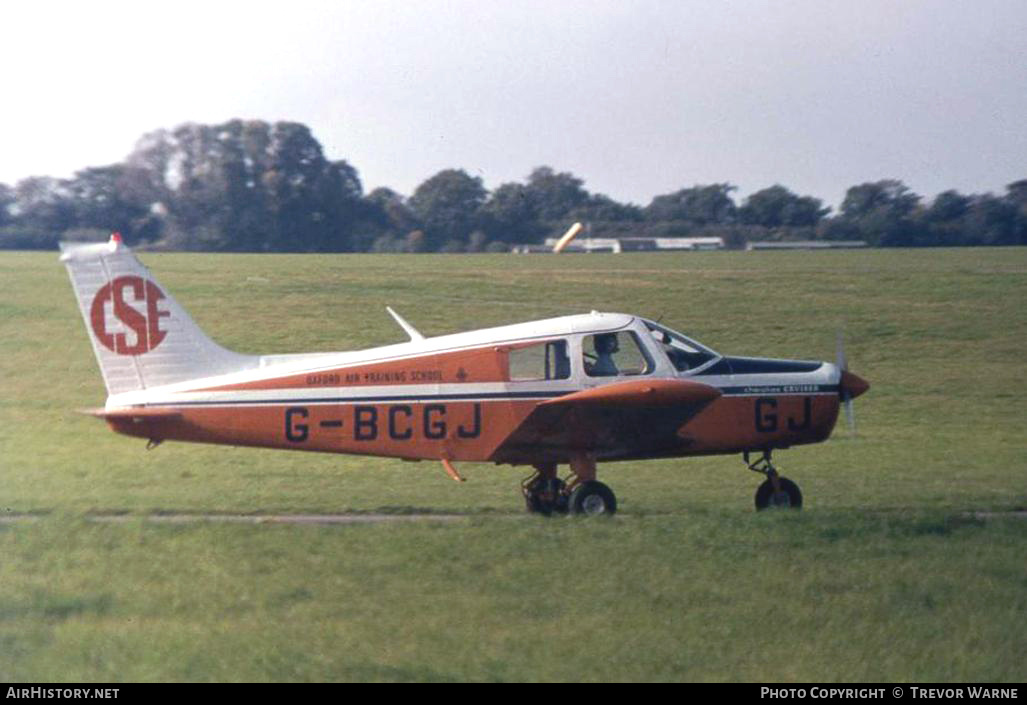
<point x="684" y="353"/>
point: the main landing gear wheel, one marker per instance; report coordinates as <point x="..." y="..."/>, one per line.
<point x="593" y="498"/>
<point x="787" y="496"/>
<point x="545" y="494"/>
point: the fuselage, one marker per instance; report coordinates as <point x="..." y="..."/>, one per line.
<point x="465" y="397"/>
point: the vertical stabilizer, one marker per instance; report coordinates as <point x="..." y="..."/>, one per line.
<point x="141" y="336"/>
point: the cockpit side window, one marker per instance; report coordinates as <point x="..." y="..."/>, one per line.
<point x="614" y="354"/>
<point x="683" y="353"/>
<point x="544" y="361"/>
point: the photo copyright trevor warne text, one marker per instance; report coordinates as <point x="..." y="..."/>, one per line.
<point x="909" y="692"/>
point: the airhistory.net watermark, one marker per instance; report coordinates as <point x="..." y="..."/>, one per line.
<point x="41" y="693"/>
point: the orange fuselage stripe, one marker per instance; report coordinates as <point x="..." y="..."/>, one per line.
<point x="469" y="430"/>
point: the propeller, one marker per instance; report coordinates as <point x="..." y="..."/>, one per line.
<point x="850" y="386"/>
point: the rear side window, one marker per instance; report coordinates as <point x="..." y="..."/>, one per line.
<point x="614" y="354"/>
<point x="540" y="362"/>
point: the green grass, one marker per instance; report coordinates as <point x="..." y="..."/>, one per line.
<point x="883" y="576"/>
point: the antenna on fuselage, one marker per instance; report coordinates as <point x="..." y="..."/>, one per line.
<point x="407" y="328"/>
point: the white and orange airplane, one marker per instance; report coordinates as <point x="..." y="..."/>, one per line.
<point x="573" y="390"/>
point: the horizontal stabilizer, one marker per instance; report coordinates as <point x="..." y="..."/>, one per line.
<point x="140" y="414"/>
<point x="143" y="422"/>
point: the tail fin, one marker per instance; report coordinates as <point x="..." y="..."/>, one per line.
<point x="141" y="336"/>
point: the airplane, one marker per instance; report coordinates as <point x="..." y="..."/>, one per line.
<point x="575" y="390"/>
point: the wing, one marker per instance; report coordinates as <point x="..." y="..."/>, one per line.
<point x="621" y="420"/>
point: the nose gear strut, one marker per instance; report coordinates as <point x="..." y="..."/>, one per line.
<point x="776" y="491"/>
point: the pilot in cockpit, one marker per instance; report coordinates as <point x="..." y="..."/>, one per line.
<point x="605" y="347"/>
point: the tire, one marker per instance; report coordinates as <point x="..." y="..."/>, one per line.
<point x="546" y="496"/>
<point x="592" y="499"/>
<point x="788" y="498"/>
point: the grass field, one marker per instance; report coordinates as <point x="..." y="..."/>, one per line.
<point x="886" y="574"/>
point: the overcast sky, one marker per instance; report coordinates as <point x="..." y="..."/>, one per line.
<point x="637" y="98"/>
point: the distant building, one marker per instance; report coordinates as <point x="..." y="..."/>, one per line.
<point x="805" y="244"/>
<point x="631" y="244"/>
<point x="689" y="243"/>
<point x="680" y="244"/>
<point x="529" y="249"/>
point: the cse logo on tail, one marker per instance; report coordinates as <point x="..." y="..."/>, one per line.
<point x="121" y="293"/>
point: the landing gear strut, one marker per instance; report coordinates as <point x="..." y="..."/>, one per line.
<point x="776" y="491"/>
<point x="545" y="493"/>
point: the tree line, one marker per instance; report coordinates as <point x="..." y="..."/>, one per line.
<point x="254" y="186"/>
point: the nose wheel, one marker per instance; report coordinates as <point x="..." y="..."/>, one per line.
<point x="776" y="492"/>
